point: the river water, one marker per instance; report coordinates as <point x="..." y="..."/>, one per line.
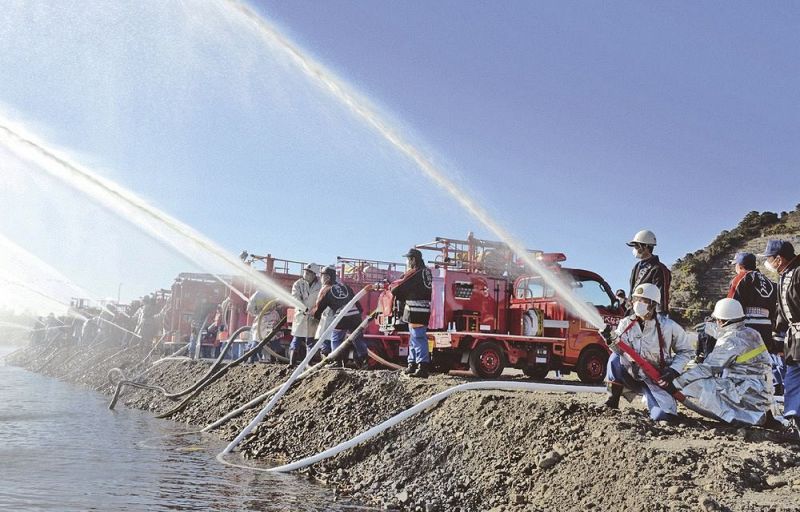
<point x="61" y="449"/>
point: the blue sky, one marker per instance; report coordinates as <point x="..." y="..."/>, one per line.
<point x="575" y="124"/>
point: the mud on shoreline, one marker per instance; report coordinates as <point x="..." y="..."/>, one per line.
<point x="478" y="450"/>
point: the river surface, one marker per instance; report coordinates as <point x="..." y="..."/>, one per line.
<point x="61" y="449"/>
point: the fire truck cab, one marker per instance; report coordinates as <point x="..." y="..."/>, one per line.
<point x="488" y="313"/>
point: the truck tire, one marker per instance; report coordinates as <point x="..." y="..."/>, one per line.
<point x="487" y="360"/>
<point x="591" y="365"/>
<point x="536" y="373"/>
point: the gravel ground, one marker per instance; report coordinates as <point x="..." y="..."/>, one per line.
<point x="477" y="450"/>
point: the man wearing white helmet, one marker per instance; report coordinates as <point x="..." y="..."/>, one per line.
<point x="657" y="339"/>
<point x="649" y="269"/>
<point x="733" y="383"/>
<point x="304" y="326"/>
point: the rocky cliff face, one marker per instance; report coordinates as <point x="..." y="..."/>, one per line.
<point x="702" y="277"/>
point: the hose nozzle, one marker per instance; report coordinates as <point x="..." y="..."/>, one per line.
<point x="608" y="334"/>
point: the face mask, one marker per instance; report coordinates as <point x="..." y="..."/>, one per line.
<point x="770" y="266"/>
<point x="636" y="253"/>
<point x="640" y="308"/>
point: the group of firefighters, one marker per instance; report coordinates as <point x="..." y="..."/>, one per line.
<point x="756" y="328"/>
<point x="324" y="298"/>
<point x="138" y="322"/>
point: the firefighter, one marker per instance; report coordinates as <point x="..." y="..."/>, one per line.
<point x="270" y="318"/>
<point x="780" y="258"/>
<point x="660" y="341"/>
<point x="304" y="326"/>
<point x="414" y="290"/>
<point x="705" y="339"/>
<point x="147" y="324"/>
<point x="331" y="299"/>
<point x="759" y="299"/>
<point x="734" y="382"/>
<point x="649" y="269"/>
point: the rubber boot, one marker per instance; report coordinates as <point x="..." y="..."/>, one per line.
<point x="422" y="371"/>
<point x="293" y="358"/>
<point x="361" y="363"/>
<point x="615" y="392"/>
<point x="795" y="421"/>
<point x="410" y="369"/>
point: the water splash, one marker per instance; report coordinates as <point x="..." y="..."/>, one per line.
<point x="44" y="295"/>
<point x="360" y="109"/>
<point x="23" y="258"/>
<point x="130" y="207"/>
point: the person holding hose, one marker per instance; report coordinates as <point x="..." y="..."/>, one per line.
<point x="780" y="258"/>
<point x="414" y="290"/>
<point x="332" y="298"/>
<point x="658" y="340"/>
<point x="304" y="326"/>
<point x="733" y="383"/>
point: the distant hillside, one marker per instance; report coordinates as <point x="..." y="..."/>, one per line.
<point x="701" y="278"/>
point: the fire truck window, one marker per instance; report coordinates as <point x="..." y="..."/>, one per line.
<point x="533" y="288"/>
<point x="593" y="293"/>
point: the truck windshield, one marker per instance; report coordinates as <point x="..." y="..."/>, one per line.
<point x="592" y="292"/>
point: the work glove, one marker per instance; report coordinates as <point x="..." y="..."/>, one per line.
<point x="608" y="335"/>
<point x="699" y="358"/>
<point x="377" y="286"/>
<point x="669" y="374"/>
<point x="669" y="387"/>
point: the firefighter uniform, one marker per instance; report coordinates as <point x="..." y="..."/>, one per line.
<point x="758" y="296"/>
<point x="332" y="298"/>
<point x="733" y="383"/>
<point x="257" y="303"/>
<point x="788" y="324"/>
<point x="651" y="270"/>
<point x="304" y="326"/>
<point x="661" y="342"/>
<point x="414" y="291"/>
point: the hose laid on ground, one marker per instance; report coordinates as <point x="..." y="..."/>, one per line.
<point x="222" y="371"/>
<point x="421" y="406"/>
<point x="383" y="361"/>
<point x="296" y="373"/>
<point x="325" y="360"/>
<point x="213" y="367"/>
<point x="123" y="379"/>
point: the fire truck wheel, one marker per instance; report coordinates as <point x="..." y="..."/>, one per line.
<point x="536" y="373"/>
<point x="591" y="366"/>
<point x="487" y="360"/>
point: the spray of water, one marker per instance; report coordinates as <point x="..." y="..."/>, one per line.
<point x="23" y="259"/>
<point x="44" y="295"/>
<point x="360" y="109"/>
<point x="130" y="207"/>
<point x="13" y="325"/>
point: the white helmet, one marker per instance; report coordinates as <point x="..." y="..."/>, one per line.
<point x="645" y="237"/>
<point x="648" y="291"/>
<point x="313" y="267"/>
<point x="727" y="309"/>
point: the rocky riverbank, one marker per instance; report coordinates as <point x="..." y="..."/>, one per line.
<point x="478" y="450"/>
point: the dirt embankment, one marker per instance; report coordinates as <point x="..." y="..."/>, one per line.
<point x="486" y="450"/>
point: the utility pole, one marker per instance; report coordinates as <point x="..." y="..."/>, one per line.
<point x="119" y="292"/>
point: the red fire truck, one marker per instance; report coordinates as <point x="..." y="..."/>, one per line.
<point x="355" y="272"/>
<point x="192" y="298"/>
<point x="488" y="313"/>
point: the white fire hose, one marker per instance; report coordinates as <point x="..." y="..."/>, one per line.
<point x="296" y="373"/>
<point x="421" y="406"/>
